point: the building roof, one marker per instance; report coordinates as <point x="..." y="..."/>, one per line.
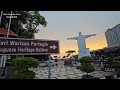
<point x="3" y="31"/>
<point x="113" y="48"/>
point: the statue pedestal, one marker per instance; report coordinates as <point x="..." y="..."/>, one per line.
<point x="84" y="53"/>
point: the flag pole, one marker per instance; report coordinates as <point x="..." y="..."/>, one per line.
<point x="1" y="17"/>
<point x="9" y="24"/>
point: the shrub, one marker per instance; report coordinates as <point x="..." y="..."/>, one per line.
<point x="110" y="59"/>
<point x="24" y="75"/>
<point x="22" y="65"/>
<point x="116" y="65"/>
<point x="87" y="68"/>
<point x="25" y="63"/>
<point x="86" y="60"/>
<point x="116" y="58"/>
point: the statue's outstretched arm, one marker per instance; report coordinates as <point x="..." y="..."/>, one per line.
<point x="72" y="38"/>
<point x="86" y="36"/>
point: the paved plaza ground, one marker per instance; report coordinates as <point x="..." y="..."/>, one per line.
<point x="64" y="72"/>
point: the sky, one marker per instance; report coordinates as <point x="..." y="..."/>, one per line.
<point x="64" y="24"/>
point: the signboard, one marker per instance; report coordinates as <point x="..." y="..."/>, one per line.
<point x="20" y="46"/>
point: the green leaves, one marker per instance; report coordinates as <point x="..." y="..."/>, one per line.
<point x="25" y="63"/>
<point x="22" y="65"/>
<point x="86" y="59"/>
<point x="115" y="62"/>
<point x="116" y="58"/>
<point x="86" y="64"/>
<point x="110" y="59"/>
<point x="116" y="65"/>
<point x="25" y="25"/>
<point x="87" y="68"/>
<point x="24" y="75"/>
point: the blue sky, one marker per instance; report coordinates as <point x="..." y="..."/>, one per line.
<point x="64" y="24"/>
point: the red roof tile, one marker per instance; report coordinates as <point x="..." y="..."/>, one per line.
<point x="3" y="31"/>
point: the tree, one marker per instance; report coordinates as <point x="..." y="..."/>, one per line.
<point x="86" y="64"/>
<point x="64" y="56"/>
<point x="22" y="65"/>
<point x="70" y="52"/>
<point x="24" y="75"/>
<point x="87" y="68"/>
<point x="117" y="58"/>
<point x="114" y="62"/>
<point x="86" y="60"/>
<point x="110" y="59"/>
<point x="26" y="24"/>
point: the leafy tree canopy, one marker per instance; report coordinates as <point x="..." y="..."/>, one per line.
<point x="70" y="51"/>
<point x="87" y="68"/>
<point x="116" y="58"/>
<point x="26" y="24"/>
<point x="86" y="59"/>
<point x="25" y="63"/>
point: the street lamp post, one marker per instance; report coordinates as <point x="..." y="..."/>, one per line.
<point x="49" y="67"/>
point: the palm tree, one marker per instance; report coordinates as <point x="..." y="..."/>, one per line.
<point x="70" y="52"/>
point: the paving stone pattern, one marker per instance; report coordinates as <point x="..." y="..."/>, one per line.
<point x="65" y="72"/>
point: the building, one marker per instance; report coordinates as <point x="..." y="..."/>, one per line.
<point x="113" y="36"/>
<point x="4" y="31"/>
<point x="106" y="52"/>
<point x="3" y="58"/>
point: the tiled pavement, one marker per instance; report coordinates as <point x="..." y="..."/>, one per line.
<point x="65" y="72"/>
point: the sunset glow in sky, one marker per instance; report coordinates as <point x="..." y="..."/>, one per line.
<point x="65" y="24"/>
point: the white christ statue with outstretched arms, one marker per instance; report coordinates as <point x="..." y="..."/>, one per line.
<point x="82" y="50"/>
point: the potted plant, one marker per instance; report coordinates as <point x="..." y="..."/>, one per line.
<point x="86" y="66"/>
<point x="88" y="69"/>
